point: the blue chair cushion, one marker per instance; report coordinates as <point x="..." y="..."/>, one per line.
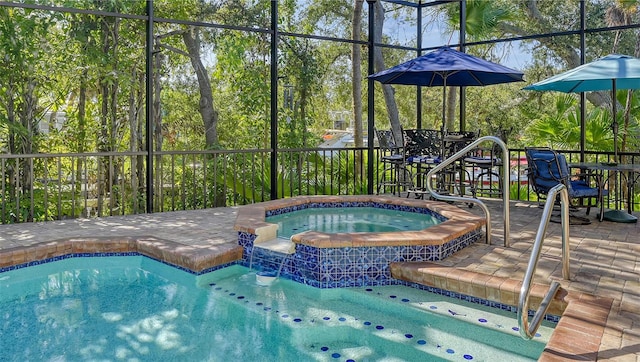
<point x="392" y="158"/>
<point x="580" y="188"/>
<point x="480" y="161"/>
<point x="550" y="173"/>
<point x="424" y="159"/>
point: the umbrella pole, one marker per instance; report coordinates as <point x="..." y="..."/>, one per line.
<point x="444" y="113"/>
<point x="614" y="127"/>
<point x="617" y="215"/>
<point x="615" y="120"/>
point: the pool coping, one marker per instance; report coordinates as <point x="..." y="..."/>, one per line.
<point x="193" y="258"/>
<point x="579" y="332"/>
<point x="251" y="219"/>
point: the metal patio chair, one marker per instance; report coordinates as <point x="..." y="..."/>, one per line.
<point x="395" y="174"/>
<point x="547" y="168"/>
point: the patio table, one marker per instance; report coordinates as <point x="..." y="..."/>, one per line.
<point x="427" y="149"/>
<point x="632" y="174"/>
<point x="423" y="165"/>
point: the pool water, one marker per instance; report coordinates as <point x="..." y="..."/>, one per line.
<point x="134" y="308"/>
<point x="350" y="219"/>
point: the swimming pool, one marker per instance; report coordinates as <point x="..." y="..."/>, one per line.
<point x="132" y="307"/>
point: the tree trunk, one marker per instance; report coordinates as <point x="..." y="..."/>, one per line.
<point x="102" y="144"/>
<point x="27" y="116"/>
<point x="157" y="105"/>
<point x="132" y="116"/>
<point x="82" y="133"/>
<point x="207" y="111"/>
<point x="140" y="159"/>
<point x="108" y="116"/>
<point x="452" y="101"/>
<point x="356" y="84"/>
<point x="356" y="74"/>
<point x="136" y="140"/>
<point x="389" y="93"/>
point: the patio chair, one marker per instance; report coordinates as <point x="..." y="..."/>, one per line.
<point x="395" y="174"/>
<point x="486" y="163"/>
<point x="423" y="148"/>
<point x="456" y="179"/>
<point x="425" y="143"/>
<point x="547" y="168"/>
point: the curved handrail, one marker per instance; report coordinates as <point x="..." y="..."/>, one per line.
<point x="528" y="331"/>
<point x="505" y="183"/>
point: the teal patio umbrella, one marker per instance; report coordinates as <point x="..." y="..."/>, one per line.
<point x="609" y="73"/>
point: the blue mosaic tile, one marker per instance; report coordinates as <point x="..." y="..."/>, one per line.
<point x="476" y="300"/>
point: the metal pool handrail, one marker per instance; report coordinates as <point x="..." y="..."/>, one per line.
<point x="505" y="184"/>
<point x="528" y="331"/>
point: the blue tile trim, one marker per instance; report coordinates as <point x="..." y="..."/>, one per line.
<point x="471" y="299"/>
<point x="110" y="254"/>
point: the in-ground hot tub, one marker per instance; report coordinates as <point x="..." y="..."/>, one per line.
<point x="330" y="260"/>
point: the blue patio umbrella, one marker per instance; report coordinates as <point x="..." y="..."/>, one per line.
<point x="447" y="67"/>
<point x="609" y="73"/>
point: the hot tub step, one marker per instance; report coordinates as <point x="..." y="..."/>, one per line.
<point x="279" y="245"/>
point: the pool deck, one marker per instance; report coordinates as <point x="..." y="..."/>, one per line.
<point x="605" y="256"/>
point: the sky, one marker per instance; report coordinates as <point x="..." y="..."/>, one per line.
<point x="435" y="33"/>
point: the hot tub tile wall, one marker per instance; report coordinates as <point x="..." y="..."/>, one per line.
<point x="245" y="240"/>
<point x="345" y="266"/>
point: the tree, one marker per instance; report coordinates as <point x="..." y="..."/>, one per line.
<point x="560" y="129"/>
<point x="356" y="73"/>
<point x="622" y="13"/>
<point x="483" y="19"/>
<point x="191" y="48"/>
<point x="209" y="115"/>
<point x="540" y="17"/>
<point x="27" y="87"/>
<point x="387" y="90"/>
<point x="191" y="37"/>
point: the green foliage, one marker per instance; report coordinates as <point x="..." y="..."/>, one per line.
<point x="483" y="17"/>
<point x="41" y="205"/>
<point x="55" y="59"/>
<point x="560" y="127"/>
<point x="521" y="192"/>
<point x="242" y="77"/>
